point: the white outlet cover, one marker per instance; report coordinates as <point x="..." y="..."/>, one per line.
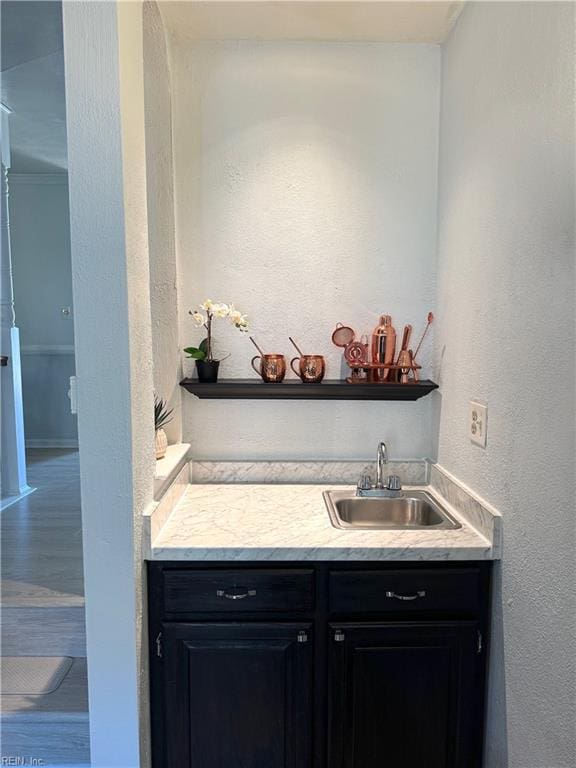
<point x="478" y="423"/>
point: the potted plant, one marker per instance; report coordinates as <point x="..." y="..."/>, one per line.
<point x="162" y="416"/>
<point x="206" y="364"/>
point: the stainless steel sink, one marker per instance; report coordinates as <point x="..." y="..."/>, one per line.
<point x="408" y="511"/>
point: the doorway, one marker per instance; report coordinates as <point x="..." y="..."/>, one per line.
<point x="44" y="700"/>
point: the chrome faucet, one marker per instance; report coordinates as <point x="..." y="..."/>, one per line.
<point x="381" y="461"/>
<point x="393" y="486"/>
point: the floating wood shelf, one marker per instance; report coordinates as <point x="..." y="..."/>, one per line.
<point x="254" y="389"/>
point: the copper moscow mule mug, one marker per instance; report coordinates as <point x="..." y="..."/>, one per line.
<point x="272" y="367"/>
<point x="311" y="368"/>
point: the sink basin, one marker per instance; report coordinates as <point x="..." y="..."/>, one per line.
<point x="412" y="510"/>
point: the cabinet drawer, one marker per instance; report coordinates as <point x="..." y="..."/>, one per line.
<point x="401" y="591"/>
<point x="238" y="591"/>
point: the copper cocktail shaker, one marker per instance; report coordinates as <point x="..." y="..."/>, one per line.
<point x="383" y="346"/>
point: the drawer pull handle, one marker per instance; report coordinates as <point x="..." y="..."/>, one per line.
<point x="235" y="595"/>
<point x="395" y="596"/>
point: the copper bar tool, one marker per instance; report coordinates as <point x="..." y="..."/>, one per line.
<point x="428" y="324"/>
<point x="405" y="361"/>
<point x="405" y="340"/>
<point x="296" y="347"/>
<point x="256" y="345"/>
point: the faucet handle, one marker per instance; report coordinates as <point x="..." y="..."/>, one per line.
<point x="394" y="483"/>
<point x="365" y="482"/>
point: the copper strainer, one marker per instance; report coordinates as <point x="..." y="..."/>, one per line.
<point x="343" y="335"/>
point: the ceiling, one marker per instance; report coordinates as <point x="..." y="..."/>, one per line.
<point x="30" y="30"/>
<point x="32" y="84"/>
<point x="407" y="21"/>
<point x="32" y="61"/>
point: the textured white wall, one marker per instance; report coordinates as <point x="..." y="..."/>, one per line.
<point x="166" y="352"/>
<point x="42" y="286"/>
<point x="306" y="194"/>
<point x="111" y="283"/>
<point x="506" y="335"/>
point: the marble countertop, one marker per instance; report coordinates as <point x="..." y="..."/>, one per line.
<point x="290" y="522"/>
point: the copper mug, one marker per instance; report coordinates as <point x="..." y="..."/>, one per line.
<point x="311" y="368"/>
<point x="272" y="367"/>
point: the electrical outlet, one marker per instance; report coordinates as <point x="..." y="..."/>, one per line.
<point x="478" y="423"/>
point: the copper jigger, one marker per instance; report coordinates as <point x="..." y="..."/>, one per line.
<point x="405" y="360"/>
<point x="272" y="367"/>
<point x="311" y="368"/>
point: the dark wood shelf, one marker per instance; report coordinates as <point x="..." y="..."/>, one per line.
<point x="254" y="389"/>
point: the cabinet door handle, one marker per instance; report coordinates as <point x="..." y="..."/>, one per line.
<point x="235" y="595"/>
<point x="396" y="596"/>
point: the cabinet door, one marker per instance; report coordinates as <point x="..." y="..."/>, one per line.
<point x="238" y="695"/>
<point x="404" y="695"/>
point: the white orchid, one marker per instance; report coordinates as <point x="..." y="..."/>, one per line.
<point x="242" y="324"/>
<point x="198" y="318"/>
<point x="220" y="310"/>
<point x="213" y="310"/>
<point x="237" y="319"/>
<point x="235" y="316"/>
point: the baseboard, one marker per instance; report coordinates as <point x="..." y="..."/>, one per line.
<point x="53" y="442"/>
<point x="47" y="349"/>
<point x="37" y="179"/>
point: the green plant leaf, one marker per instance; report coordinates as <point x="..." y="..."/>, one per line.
<point x="204" y="346"/>
<point x="196" y="353"/>
<point x="162" y="415"/>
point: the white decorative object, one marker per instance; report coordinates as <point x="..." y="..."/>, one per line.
<point x="161" y="444"/>
<point x="13" y="470"/>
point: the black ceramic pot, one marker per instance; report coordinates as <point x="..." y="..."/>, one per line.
<point x="207" y="371"/>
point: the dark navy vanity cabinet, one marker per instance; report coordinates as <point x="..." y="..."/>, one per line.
<point x="328" y="665"/>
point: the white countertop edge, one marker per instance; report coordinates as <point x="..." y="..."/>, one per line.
<point x="167" y="468"/>
<point x="376" y="554"/>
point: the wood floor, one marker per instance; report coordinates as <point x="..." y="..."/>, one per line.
<point x="42" y="603"/>
<point x="42" y="535"/>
